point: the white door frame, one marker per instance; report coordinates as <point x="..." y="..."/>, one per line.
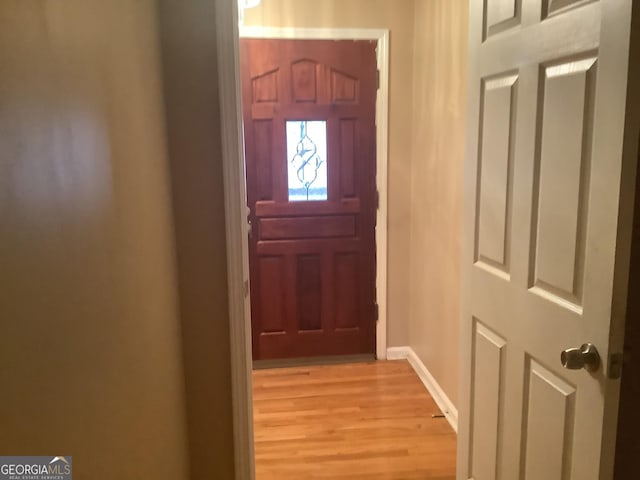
<point x="226" y="25"/>
<point x="227" y="33"/>
<point x="382" y="138"/>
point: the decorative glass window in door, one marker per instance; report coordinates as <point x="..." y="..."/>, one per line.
<point x="307" y="160"/>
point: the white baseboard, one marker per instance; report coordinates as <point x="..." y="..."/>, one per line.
<point x="438" y="395"/>
<point x="398" y="353"/>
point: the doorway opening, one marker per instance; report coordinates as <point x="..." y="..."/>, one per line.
<point x="302" y="97"/>
<point x="315" y="126"/>
<point x="379" y="38"/>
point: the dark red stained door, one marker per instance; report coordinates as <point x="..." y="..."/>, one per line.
<point x="309" y="126"/>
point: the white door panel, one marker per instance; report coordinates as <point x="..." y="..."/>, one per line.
<point x="493" y="236"/>
<point x="544" y="188"/>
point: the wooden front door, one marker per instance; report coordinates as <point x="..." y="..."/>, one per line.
<point x="309" y="127"/>
<point x="549" y="192"/>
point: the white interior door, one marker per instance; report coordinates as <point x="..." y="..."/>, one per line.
<point x="546" y="242"/>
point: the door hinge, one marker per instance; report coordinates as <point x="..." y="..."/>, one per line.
<point x="377" y="201"/>
<point x="616" y="360"/>
<point x="378" y="79"/>
<point x="376" y="312"/>
<point x="249" y="225"/>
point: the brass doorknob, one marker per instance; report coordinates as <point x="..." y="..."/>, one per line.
<point x="586" y="357"/>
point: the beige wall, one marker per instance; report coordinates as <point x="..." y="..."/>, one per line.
<point x="397" y="16"/>
<point x="90" y="361"/>
<point x="439" y="92"/>
<point x="193" y="125"/>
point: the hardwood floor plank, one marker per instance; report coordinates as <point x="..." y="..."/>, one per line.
<point x="368" y="420"/>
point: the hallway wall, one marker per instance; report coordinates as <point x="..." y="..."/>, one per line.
<point x="439" y="121"/>
<point x="90" y="364"/>
<point x="189" y="60"/>
<point x="397" y="16"/>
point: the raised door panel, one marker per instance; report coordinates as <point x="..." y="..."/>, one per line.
<point x="304" y="81"/>
<point x="335" y="226"/>
<point x="263" y="135"/>
<point x="493" y="231"/>
<point x="347" y="290"/>
<point x="562" y="181"/>
<point x="555" y="7"/>
<point x="488" y="353"/>
<point x="348" y="157"/>
<point x="548" y="428"/>
<point x="309" y="292"/>
<point x="273" y="315"/>
<point x="265" y="87"/>
<point x="501" y="15"/>
<point x="344" y="88"/>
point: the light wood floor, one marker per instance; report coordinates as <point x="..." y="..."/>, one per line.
<point x="358" y="421"/>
